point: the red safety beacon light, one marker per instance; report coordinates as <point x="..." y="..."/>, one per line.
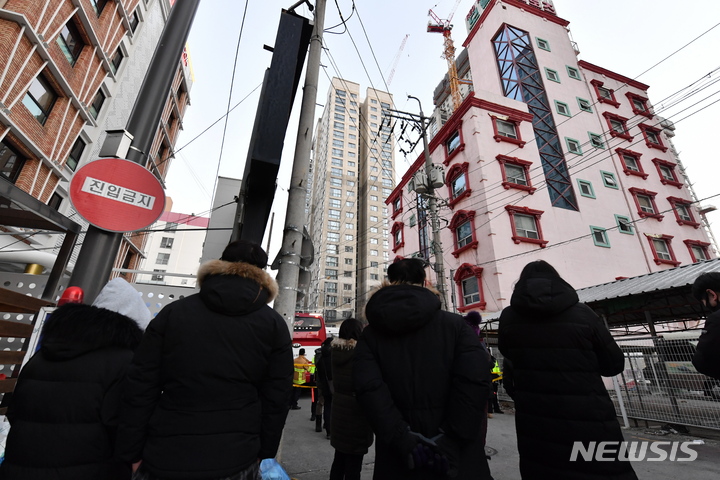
<point x="71" y="295"/>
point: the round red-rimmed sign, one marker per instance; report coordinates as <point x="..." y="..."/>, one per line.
<point x="117" y="195"/>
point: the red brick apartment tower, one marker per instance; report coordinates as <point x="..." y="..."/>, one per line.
<point x="62" y="66"/>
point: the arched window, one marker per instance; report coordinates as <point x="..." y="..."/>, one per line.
<point x="468" y="280"/>
<point x="463" y="227"/>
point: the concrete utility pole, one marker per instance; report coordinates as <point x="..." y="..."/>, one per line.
<point x="437" y="250"/>
<point x="100" y="247"/>
<point x="295" y="217"/>
<point x="432" y="203"/>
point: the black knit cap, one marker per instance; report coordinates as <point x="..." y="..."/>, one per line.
<point x="246" y="252"/>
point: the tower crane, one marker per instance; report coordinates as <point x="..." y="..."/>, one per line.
<point x="445" y="27"/>
<point x="397" y="59"/>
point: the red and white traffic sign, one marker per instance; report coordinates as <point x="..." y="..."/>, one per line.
<point x="117" y="195"/>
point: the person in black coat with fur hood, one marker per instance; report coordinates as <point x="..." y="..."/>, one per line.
<point x="559" y="350"/>
<point x="64" y="412"/>
<point x="422" y="379"/>
<point x="209" y="387"/>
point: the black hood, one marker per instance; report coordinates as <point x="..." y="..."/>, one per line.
<point x="543" y="294"/>
<point x="75" y="329"/>
<point x="401" y="308"/>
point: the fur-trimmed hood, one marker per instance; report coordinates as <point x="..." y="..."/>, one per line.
<point x="342" y="344"/>
<point x="235" y="288"/>
<point x="75" y="329"/>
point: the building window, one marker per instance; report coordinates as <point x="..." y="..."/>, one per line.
<point x="586" y="188"/>
<point x="525" y="224"/>
<point x="596" y="140"/>
<point x="75" y="153"/>
<point x="333" y="225"/>
<point x="468" y="281"/>
<point x="515" y="173"/>
<point x="336" y="192"/>
<point x="604" y="94"/>
<point x="666" y="171"/>
<point x="374" y="276"/>
<point x="562" y="108"/>
<point x="331" y="274"/>
<point x="645" y="203"/>
<point x="348" y="261"/>
<point x="166" y="242"/>
<point x="573" y="72"/>
<point x="40" y="99"/>
<point x="624" y="224"/>
<point x="97" y="104"/>
<point x="698" y="250"/>
<point x="639" y="105"/>
<point x="332" y="249"/>
<point x="116" y="60"/>
<point x="661" y="246"/>
<point x="331" y="300"/>
<point x="397" y="207"/>
<point x="618" y="126"/>
<point x="331" y="287"/>
<point x="55" y="201"/>
<point x="134" y="21"/>
<point x="453" y="145"/>
<point x="552" y="75"/>
<point x="334" y="214"/>
<point x="457" y="182"/>
<point x="170" y="226"/>
<point x="542" y="44"/>
<point x="331" y="261"/>
<point x="373" y="253"/>
<point x="631" y="163"/>
<point x="609" y="180"/>
<point x="683" y="211"/>
<point x="652" y="137"/>
<point x="347" y="287"/>
<point x="98" y="6"/>
<point x="333" y="237"/>
<point x="463" y="227"/>
<point x="162" y="258"/>
<point x="573" y="146"/>
<point x="600" y="237"/>
<point x="585" y="105"/>
<point x="507" y="131"/>
<point x="70" y="42"/>
<point x="397" y="235"/>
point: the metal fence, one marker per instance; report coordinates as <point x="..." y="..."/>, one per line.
<point x="659" y="382"/>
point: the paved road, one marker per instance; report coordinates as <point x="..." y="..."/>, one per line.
<point x="307" y="455"/>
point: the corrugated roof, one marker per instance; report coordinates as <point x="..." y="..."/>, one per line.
<point x="681" y="276"/>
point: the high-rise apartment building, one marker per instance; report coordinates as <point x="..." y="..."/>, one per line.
<point x="352" y="174"/>
<point x="70" y="71"/>
<point x="549" y="157"/>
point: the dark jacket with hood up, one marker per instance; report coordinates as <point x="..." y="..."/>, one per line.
<point x="559" y="350"/>
<point x="419" y="366"/>
<point x="707" y="353"/>
<point x="65" y="408"/>
<point x="350" y="431"/>
<point x="209" y="387"/>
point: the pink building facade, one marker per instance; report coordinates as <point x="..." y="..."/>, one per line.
<point x="552" y="158"/>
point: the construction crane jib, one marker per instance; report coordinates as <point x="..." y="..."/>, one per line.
<point x="436" y="25"/>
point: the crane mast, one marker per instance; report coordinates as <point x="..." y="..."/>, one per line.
<point x="445" y="27"/>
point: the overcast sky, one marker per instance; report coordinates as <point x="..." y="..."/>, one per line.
<point x="628" y="41"/>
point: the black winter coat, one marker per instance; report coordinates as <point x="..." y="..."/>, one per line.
<point x="559" y="350"/>
<point x="707" y="353"/>
<point x="350" y="431"/>
<point x="421" y="367"/>
<point x="65" y="409"/>
<point x="209" y="387"/>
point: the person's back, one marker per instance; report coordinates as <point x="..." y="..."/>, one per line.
<point x="403" y="388"/>
<point x="64" y="410"/>
<point x="210" y="383"/>
<point x="706" y="359"/>
<point x="559" y="349"/>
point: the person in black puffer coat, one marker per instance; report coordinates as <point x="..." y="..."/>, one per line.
<point x="420" y="373"/>
<point x="559" y="349"/>
<point x="65" y="409"/>
<point x="209" y="387"/>
<point x="351" y="435"/>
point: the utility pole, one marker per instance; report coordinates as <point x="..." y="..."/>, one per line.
<point x="295" y="217"/>
<point x="100" y="247"/>
<point x="437" y="250"/>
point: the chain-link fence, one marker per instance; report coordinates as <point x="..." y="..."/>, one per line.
<point x="659" y="382"/>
